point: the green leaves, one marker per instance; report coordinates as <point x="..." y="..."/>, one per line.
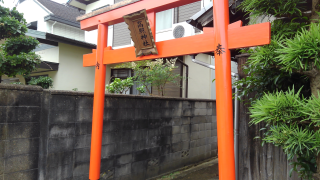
<point x="279" y="107"/>
<point x="16" y="57"/>
<point x="120" y="86"/>
<point x="12" y="23"/>
<point x="297" y="140"/>
<point x="141" y="89"/>
<point x="311" y="109"/>
<point x="291" y="121"/>
<point x="43" y="81"/>
<point x="302" y="52"/>
<point x="155" y="73"/>
<point x="278" y="8"/>
<point x="21" y="44"/>
<point x="21" y="64"/>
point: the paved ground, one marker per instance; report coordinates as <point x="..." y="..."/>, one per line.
<point x="204" y="171"/>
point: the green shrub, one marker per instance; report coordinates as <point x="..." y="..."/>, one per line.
<point x="44" y="82"/>
<point x="120" y="86"/>
<point x="291" y="122"/>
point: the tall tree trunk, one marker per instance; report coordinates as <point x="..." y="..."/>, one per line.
<point x="0" y="78"/>
<point x="315" y="8"/>
<point x="315" y="80"/>
<point x="315" y="89"/>
<point x="315" y="84"/>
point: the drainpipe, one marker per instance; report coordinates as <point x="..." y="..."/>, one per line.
<point x="187" y="76"/>
<point x="52" y="27"/>
<point x="236" y="113"/>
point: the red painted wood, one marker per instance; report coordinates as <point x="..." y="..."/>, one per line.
<point x="224" y="90"/>
<point x="202" y="43"/>
<point x="98" y="105"/>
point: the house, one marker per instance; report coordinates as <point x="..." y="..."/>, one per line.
<point x="62" y="44"/>
<point x="199" y="82"/>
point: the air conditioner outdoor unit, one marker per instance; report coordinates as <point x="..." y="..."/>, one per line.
<point x="182" y="30"/>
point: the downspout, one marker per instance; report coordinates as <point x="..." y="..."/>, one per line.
<point x="52" y="27"/>
<point x="236" y="114"/>
<point x="187" y="75"/>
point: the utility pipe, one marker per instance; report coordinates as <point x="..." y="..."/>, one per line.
<point x="187" y="76"/>
<point x="52" y="26"/>
<point x="236" y="112"/>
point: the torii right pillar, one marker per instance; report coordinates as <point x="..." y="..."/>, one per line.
<point x="224" y="87"/>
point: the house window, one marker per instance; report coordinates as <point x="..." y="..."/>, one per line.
<point x="164" y="20"/>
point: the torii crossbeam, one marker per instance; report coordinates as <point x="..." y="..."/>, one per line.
<point x="220" y="40"/>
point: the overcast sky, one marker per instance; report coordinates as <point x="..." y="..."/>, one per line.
<point x="10" y="3"/>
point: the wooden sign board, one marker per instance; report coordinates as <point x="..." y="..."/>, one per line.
<point x="141" y="33"/>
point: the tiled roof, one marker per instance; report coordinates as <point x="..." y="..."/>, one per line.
<point x="61" y="10"/>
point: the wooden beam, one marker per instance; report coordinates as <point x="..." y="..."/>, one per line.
<point x="239" y="37"/>
<point x="115" y="16"/>
<point x="249" y="36"/>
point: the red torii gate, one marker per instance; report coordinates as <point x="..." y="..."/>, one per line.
<point x="220" y="39"/>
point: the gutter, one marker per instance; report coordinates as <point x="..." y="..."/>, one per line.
<point x="236" y="114"/>
<point x="52" y="26"/>
<point x="187" y="76"/>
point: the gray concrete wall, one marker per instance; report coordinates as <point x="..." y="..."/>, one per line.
<point x="20" y="112"/>
<point x="46" y="134"/>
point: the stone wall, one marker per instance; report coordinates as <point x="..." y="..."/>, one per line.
<point x="20" y="111"/>
<point x="46" y="134"/>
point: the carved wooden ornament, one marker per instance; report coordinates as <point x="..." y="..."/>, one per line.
<point x="141" y="33"/>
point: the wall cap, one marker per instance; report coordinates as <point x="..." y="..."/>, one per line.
<point x="20" y="87"/>
<point x="82" y="93"/>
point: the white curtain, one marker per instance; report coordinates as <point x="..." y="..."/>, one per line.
<point x="164" y="20"/>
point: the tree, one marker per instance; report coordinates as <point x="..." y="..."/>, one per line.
<point x="155" y="73"/>
<point x="16" y="56"/>
<point x="289" y="64"/>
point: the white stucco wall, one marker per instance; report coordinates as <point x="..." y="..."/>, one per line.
<point x="34" y="12"/>
<point x="65" y="30"/>
<point x="71" y="73"/>
<point x="199" y="78"/>
<point x="49" y="55"/>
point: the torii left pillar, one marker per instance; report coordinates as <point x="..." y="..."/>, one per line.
<point x="98" y="104"/>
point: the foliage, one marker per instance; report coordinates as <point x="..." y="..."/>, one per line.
<point x="20" y="44"/>
<point x="302" y="52"/>
<point x="120" y="86"/>
<point x="19" y="83"/>
<point x="278" y="8"/>
<point x="291" y="60"/>
<point x="278" y="107"/>
<point x="155" y="73"/>
<point x="141" y="89"/>
<point x="264" y="68"/>
<point x="16" y="57"/>
<point x="290" y="124"/>
<point x="311" y="110"/>
<point x="43" y="81"/>
<point x="12" y="23"/>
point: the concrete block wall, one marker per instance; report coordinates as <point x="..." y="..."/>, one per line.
<point x="20" y="112"/>
<point x="142" y="136"/>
